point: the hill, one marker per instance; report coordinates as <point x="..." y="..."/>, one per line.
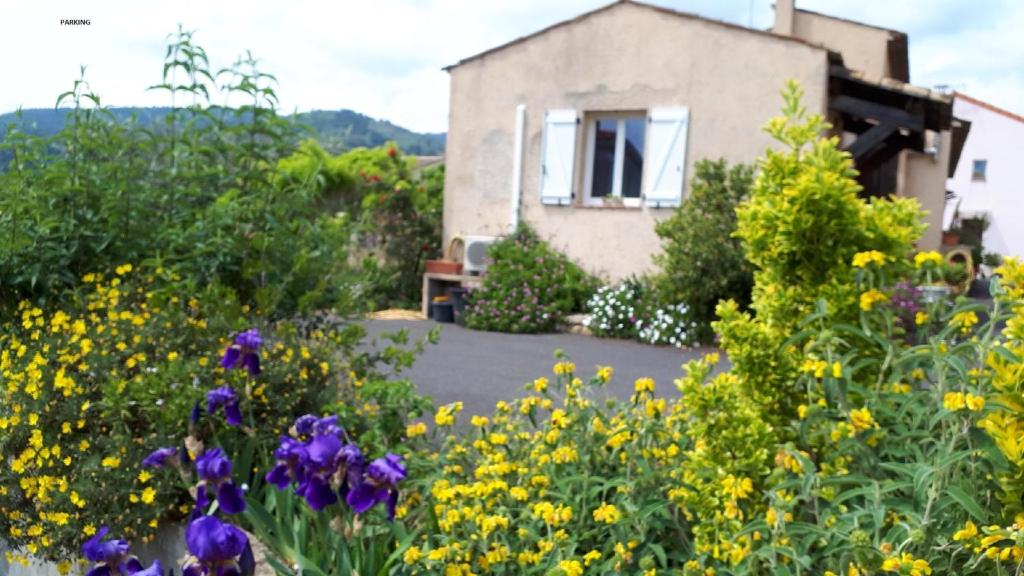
<point x="336" y="130"/>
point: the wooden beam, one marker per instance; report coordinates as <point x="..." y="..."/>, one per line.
<point x="884" y="114"/>
<point x="868" y="141"/>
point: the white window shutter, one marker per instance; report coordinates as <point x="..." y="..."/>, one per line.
<point x="666" y="162"/>
<point x="559" y="157"/>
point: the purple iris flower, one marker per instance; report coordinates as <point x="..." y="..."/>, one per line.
<point x="214" y="470"/>
<point x="289" y="455"/>
<point x="380" y="484"/>
<point x="309" y="424"/>
<point x="161" y="457"/>
<point x="109" y="555"/>
<point x="321" y="466"/>
<point x="112" y="558"/>
<point x="226" y="397"/>
<point x="217" y="548"/>
<point x="244" y="352"/>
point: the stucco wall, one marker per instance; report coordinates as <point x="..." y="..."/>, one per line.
<point x="864" y="48"/>
<point x="999" y="139"/>
<point x="924" y="177"/>
<point x="624" y="58"/>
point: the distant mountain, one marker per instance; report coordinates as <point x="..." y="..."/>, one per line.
<point x="336" y="130"/>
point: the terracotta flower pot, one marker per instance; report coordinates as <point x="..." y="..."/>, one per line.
<point x="443" y="267"/>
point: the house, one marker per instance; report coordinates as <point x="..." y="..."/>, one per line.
<point x="589" y="129"/>
<point x="989" y="181"/>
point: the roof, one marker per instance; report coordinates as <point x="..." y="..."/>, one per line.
<point x="896" y="86"/>
<point x="989" y="107"/>
<point x="659" y="9"/>
<point x="848" y="21"/>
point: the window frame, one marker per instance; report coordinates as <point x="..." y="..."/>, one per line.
<point x="591" y="119"/>
<point x="981" y="176"/>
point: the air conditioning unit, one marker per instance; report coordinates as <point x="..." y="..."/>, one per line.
<point x="474" y="259"/>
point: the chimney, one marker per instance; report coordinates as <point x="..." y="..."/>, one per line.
<point x="784" y="13"/>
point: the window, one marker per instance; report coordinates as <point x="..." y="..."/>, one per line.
<point x="615" y="158"/>
<point x="978" y="171"/>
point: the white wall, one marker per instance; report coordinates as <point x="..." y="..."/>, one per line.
<point x="998" y="138"/>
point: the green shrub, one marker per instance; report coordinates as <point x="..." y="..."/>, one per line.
<point x="702" y="261"/>
<point x="529" y="287"/>
<point x="801" y="228"/>
<point x="201" y="195"/>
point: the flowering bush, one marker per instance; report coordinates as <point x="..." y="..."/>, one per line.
<point x="529" y="287"/>
<point x="630" y="310"/>
<point x="613" y="312"/>
<point x="560" y="480"/>
<point x="91" y="386"/>
<point x="671" y="326"/>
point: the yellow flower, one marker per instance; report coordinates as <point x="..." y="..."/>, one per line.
<point x="954" y="401"/>
<point x="604" y="374"/>
<point x="607" y="513"/>
<point x="571" y="567"/>
<point x="415" y="429"/>
<point x="870" y="298"/>
<point x="920" y="318"/>
<point x="863" y="259"/>
<point x="968" y="532"/>
<point x="644" y="385"/>
<point x="445" y="415"/>
<point x="412" y="555"/>
<point x="89" y="530"/>
<point x="901" y="388"/>
<point x="111" y="462"/>
<point x="172" y="356"/>
<point x="922" y="259"/>
<point x="861" y="419"/>
<point x="564" y="368"/>
<point x="965" y="320"/>
<point x="540" y="384"/>
<point x="801" y="411"/>
<point x="837" y="370"/>
<point x="974" y="403"/>
<point x="148" y="495"/>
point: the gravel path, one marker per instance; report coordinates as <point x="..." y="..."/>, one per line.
<point x="480" y="368"/>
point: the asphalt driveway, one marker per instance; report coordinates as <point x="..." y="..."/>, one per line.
<point x="480" y="368"/>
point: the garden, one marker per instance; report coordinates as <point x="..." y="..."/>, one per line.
<point x="182" y="353"/>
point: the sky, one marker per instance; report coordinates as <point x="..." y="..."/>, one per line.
<point x="383" y="58"/>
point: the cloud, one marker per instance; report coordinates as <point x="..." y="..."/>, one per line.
<point x="384" y="58"/>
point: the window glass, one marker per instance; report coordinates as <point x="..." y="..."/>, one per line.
<point x="978" y="172"/>
<point x="633" y="157"/>
<point x="604" y="157"/>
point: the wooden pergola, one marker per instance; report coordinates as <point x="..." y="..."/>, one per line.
<point x="887" y="116"/>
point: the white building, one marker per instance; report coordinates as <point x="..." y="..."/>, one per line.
<point x="989" y="179"/>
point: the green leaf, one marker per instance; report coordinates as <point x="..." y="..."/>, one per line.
<point x="967" y="503"/>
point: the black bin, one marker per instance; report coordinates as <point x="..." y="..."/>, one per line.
<point x="444" y="312"/>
